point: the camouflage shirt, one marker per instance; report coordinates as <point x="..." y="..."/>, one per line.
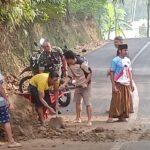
<point x="52" y="61"/>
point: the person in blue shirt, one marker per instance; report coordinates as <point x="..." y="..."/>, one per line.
<point x="4" y="116"/>
<point x="122" y="84"/>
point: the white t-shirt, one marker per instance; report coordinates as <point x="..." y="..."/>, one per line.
<point x="124" y="79"/>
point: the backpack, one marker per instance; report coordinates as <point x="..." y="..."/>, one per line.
<point x="81" y="59"/>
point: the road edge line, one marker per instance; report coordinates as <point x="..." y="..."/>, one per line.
<point x="141" y="50"/>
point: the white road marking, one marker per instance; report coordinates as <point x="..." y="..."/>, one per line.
<point x="139" y="53"/>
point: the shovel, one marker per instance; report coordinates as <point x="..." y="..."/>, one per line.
<point x="56" y="122"/>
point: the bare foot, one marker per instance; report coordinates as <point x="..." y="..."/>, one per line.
<point x="77" y="121"/>
<point x="1" y="143"/>
<point x="89" y="124"/>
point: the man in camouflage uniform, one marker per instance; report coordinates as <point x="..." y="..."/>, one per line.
<point x="52" y="59"/>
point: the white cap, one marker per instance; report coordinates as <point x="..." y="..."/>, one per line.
<point x="1" y="78"/>
<point x="42" y="40"/>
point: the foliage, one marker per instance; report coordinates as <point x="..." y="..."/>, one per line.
<point x="87" y="6"/>
<point x="113" y="19"/>
<point x="108" y="15"/>
<point x="16" y="12"/>
<point x="22" y="12"/>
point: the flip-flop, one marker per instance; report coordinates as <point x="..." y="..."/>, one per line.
<point x="120" y="120"/>
<point x="14" y="145"/>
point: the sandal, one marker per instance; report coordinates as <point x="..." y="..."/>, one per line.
<point x="121" y="120"/>
<point x="14" y="145"/>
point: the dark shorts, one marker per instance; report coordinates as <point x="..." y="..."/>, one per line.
<point x="4" y="115"/>
<point x="35" y="97"/>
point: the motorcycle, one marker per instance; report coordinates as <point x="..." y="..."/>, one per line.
<point x="28" y="72"/>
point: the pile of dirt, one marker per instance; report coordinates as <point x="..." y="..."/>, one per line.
<point x="26" y="126"/>
<point x="23" y="117"/>
<point x="95" y="135"/>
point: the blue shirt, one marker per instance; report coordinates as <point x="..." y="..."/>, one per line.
<point x="121" y="68"/>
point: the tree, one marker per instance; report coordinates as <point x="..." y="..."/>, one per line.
<point x="115" y="6"/>
<point x="114" y="20"/>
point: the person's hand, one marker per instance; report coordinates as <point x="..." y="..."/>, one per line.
<point x="52" y="111"/>
<point x="115" y="89"/>
<point x="108" y="73"/>
<point x="132" y="88"/>
<point x="84" y="86"/>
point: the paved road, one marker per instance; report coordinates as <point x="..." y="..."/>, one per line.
<point x="99" y="60"/>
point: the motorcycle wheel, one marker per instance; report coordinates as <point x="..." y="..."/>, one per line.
<point x="24" y="84"/>
<point x="64" y="101"/>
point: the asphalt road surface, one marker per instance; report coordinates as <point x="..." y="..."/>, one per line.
<point x="100" y="59"/>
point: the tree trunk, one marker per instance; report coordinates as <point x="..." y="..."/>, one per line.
<point x="115" y="15"/>
<point x="67" y="11"/>
<point x="99" y="27"/>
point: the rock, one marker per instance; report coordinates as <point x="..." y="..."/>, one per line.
<point x="53" y="146"/>
<point x="134" y="129"/>
<point x="99" y="130"/>
<point x="56" y="123"/>
<point x="110" y="137"/>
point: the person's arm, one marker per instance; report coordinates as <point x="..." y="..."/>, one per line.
<point x="112" y="70"/>
<point x="67" y="79"/>
<point x="114" y="88"/>
<point x="3" y="94"/>
<point x="64" y="63"/>
<point x="88" y="70"/>
<point x="41" y="97"/>
<point x="88" y="78"/>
